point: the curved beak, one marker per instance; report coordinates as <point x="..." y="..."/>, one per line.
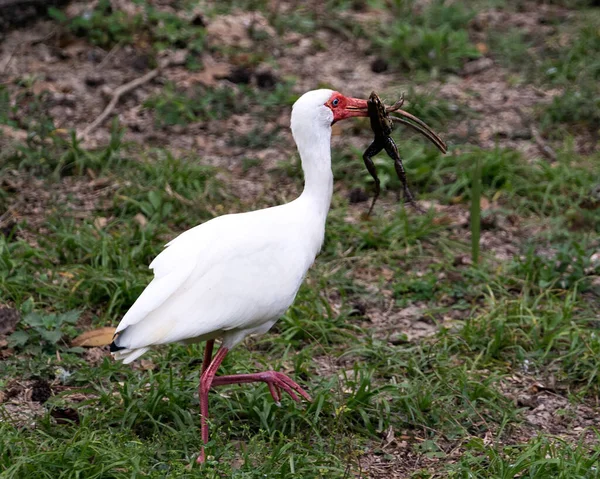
<point x="419" y="126"/>
<point x="415" y="123"/>
<point x="353" y="107"/>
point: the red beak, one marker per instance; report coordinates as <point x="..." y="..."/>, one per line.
<point x="350" y="107"/>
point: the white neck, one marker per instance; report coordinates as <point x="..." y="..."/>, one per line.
<point x="314" y="146"/>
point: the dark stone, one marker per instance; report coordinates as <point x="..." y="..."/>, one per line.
<point x="41" y="391"/>
<point x="379" y="65"/>
<point x="199" y="20"/>
<point x="266" y="80"/>
<point x="358" y="195"/>
<point x="240" y="75"/>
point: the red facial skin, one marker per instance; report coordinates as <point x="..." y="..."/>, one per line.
<point x="346" y="107"/>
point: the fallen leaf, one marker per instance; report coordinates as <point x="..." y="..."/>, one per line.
<point x="100" y="222"/>
<point x="96" y="337"/>
<point x="141" y="220"/>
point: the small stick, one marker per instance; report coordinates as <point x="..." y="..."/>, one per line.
<point x="119" y="92"/>
<point x="545" y="150"/>
<point x="542" y="145"/>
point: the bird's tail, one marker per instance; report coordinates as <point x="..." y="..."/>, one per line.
<point x="125" y="354"/>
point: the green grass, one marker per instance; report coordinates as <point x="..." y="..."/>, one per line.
<point x="107" y="26"/>
<point x="172" y="107"/>
<point x="433" y="39"/>
<point x="497" y="329"/>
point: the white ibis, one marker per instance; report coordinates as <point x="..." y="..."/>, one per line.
<point x="235" y="275"/>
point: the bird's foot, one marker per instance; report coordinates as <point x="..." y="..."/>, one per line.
<point x="277" y="381"/>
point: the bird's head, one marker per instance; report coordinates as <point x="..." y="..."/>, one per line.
<point x="325" y="107"/>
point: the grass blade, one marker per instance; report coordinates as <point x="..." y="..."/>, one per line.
<point x="476" y="211"/>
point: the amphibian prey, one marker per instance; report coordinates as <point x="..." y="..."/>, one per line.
<point x="382" y="125"/>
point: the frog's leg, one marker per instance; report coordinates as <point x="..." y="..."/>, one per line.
<point x="396" y="106"/>
<point x="392" y="150"/>
<point x="371" y="151"/>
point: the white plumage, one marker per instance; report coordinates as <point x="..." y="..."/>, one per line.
<point x="237" y="274"/>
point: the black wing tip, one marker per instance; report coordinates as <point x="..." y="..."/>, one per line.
<point x="114" y="348"/>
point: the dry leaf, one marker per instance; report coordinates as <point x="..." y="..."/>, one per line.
<point x="484" y="203"/>
<point x="140" y="219"/>
<point x="94" y="338"/>
<point x="481" y="48"/>
<point x="100" y="222"/>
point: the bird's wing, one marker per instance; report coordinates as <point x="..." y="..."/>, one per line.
<point x="172" y="267"/>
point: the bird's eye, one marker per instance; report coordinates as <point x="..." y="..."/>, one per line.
<point x="335" y="102"/>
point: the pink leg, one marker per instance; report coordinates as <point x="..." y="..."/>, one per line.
<point x="205" y="382"/>
<point x="275" y="380"/>
<point x="208" y="354"/>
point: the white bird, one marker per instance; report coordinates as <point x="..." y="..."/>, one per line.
<point x="235" y="275"/>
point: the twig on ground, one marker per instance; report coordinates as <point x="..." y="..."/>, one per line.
<point x="545" y="150"/>
<point x="542" y="145"/>
<point x="118" y="93"/>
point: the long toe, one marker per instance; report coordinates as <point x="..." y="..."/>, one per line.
<point x="288" y="385"/>
<point x="275" y="392"/>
